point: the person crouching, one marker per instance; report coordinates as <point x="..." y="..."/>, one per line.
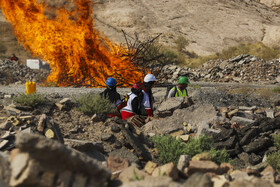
<point x="138" y="103"/>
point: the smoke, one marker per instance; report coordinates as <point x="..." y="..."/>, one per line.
<point x="53" y="5"/>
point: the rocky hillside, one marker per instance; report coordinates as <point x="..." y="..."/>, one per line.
<point x="208" y="25"/>
<point x="53" y="144"/>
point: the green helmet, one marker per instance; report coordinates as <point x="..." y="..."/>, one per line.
<point x="184" y="80"/>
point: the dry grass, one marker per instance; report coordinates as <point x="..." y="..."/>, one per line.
<point x="246" y="90"/>
<point x="257" y="49"/>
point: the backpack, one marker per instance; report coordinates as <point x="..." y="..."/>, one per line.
<point x="169" y="87"/>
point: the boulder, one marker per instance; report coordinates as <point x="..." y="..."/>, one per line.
<point x="202" y="166"/>
<point x="199" y="180"/>
<point x="39" y="160"/>
<point x="192" y="115"/>
<point x="167" y="107"/>
<point x="168" y="169"/>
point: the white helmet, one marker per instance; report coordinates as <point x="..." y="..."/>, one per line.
<point x="150" y="78"/>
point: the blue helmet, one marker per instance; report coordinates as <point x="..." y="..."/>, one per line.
<point x="111" y="82"/>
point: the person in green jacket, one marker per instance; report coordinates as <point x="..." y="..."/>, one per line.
<point x="181" y="89"/>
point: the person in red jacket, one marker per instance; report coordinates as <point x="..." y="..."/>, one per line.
<point x="14" y="57"/>
<point x="138" y="103"/>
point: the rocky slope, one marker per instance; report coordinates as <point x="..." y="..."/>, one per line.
<point x="208" y="25"/>
<point x="82" y="150"/>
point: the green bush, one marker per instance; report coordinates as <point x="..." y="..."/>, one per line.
<point x="273" y="159"/>
<point x="198" y="145"/>
<point x="30" y="100"/>
<point x="94" y="104"/>
<point x="276" y="140"/>
<point x="170" y="148"/>
<point x="276" y="90"/>
<point x="220" y="156"/>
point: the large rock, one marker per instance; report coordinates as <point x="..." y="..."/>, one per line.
<point x="199" y="180"/>
<point x="39" y="160"/>
<point x="167" y="107"/>
<point x="193" y="115"/>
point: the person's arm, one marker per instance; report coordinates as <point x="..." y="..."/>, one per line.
<point x="171" y="93"/>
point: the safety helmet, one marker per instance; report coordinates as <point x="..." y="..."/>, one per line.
<point x="111" y="82"/>
<point x="150" y="78"/>
<point x="184" y="80"/>
<point x="138" y="85"/>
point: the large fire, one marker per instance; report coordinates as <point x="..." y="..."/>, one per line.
<point x="77" y="53"/>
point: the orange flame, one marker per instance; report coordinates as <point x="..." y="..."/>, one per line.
<point x="77" y="54"/>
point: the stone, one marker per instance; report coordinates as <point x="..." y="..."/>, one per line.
<point x="47" y="179"/>
<point x="223" y="135"/>
<point x="246" y="108"/>
<point x="192" y="115"/>
<point x="161" y="181"/>
<point x="18" y="164"/>
<point x="125" y="153"/>
<point x="117" y="163"/>
<point x="3" y="144"/>
<point x="250" y="134"/>
<point x="132" y="173"/>
<point x="115" y="128"/>
<point x="183" y="162"/>
<point x="96" y="118"/>
<point x="202" y="166"/>
<point x="202" y="156"/>
<point x="237" y="174"/>
<point x="219" y="180"/>
<point x="177" y="133"/>
<point x="27" y="130"/>
<point x="277" y="179"/>
<point x="199" y="179"/>
<point x="49" y="155"/>
<point x="64" y="178"/>
<point x="231" y="113"/>
<point x="6" y="125"/>
<point x="185" y="138"/>
<point x="12" y="110"/>
<point x="5" y="171"/>
<point x="241" y="120"/>
<point x="250" y="183"/>
<point x="268" y="173"/>
<point x="226" y="168"/>
<point x="228" y="144"/>
<point x="136" y="143"/>
<point x="106" y="137"/>
<point x="150" y="167"/>
<point x="42" y="123"/>
<point x="79" y="181"/>
<point x="202" y="128"/>
<point x="257" y="145"/>
<point x="171" y="104"/>
<point x="60" y="106"/>
<point x="168" y="169"/>
<point x="254" y="159"/>
<point x="269" y="113"/>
